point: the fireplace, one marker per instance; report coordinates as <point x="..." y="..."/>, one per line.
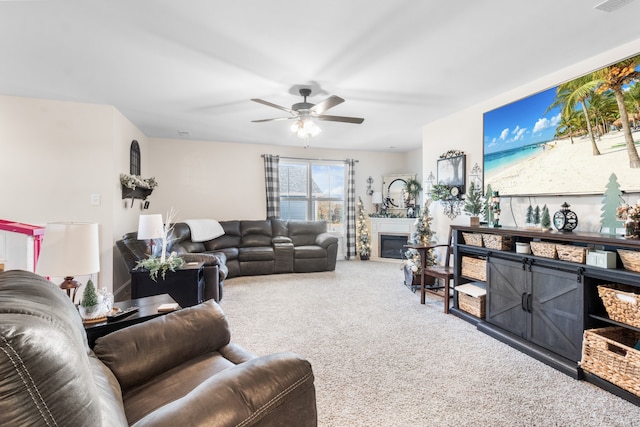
<point x="391" y="245"/>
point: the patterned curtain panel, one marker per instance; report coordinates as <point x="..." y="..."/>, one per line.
<point x="351" y="209"/>
<point x="272" y="185"/>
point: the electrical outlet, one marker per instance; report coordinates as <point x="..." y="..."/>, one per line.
<point x="95" y="199"/>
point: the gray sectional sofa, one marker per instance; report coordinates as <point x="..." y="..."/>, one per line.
<point x="247" y="248"/>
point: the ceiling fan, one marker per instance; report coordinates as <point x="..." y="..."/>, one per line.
<point x="304" y="111"/>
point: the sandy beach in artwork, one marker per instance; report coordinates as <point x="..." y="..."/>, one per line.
<point x="570" y="168"/>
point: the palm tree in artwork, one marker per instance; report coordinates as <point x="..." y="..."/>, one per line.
<point x="603" y="109"/>
<point x="573" y="93"/>
<point x="614" y="78"/>
<point x="568" y="125"/>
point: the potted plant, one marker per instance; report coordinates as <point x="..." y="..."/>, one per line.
<point x="474" y="204"/>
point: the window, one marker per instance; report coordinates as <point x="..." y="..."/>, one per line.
<point x="313" y="190"/>
<point x="134" y="158"/>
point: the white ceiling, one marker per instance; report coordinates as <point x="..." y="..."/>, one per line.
<point x="194" y="65"/>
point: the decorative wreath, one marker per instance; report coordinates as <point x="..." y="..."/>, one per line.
<point x="413" y="187"/>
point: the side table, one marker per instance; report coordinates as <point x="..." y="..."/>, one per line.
<point x="185" y="285"/>
<point x="147" y="309"/>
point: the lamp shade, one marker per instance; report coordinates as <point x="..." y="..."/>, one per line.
<point x="150" y="227"/>
<point x="376" y="197"/>
<point x="69" y="249"/>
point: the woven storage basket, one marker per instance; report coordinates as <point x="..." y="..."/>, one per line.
<point x="544" y="249"/>
<point x="630" y="259"/>
<point x="472" y="305"/>
<point x="609" y="353"/>
<point x="473" y="239"/>
<point x="474" y="268"/>
<point x="497" y="242"/>
<point x="571" y="253"/>
<point x="621" y="302"/>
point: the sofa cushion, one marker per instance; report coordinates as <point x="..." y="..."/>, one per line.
<point x="308" y="252"/>
<point x="256" y="254"/>
<point x="231" y="238"/>
<point x="256" y="233"/>
<point x="304" y="233"/>
<point x="186" y="336"/>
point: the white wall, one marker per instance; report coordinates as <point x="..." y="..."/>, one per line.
<point x="225" y="181"/>
<point x="463" y="131"/>
<point x="53" y="156"/>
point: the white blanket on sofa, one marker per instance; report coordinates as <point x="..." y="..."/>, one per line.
<point x="204" y="229"/>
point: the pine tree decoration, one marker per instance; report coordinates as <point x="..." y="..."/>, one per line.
<point x="364" y="245"/>
<point x="488" y="213"/>
<point x="423" y="235"/>
<point x="529" y="216"/>
<point x="545" y="221"/>
<point x="474" y="202"/>
<point x="89" y="296"/>
<point x="536" y="215"/>
<point x="610" y="202"/>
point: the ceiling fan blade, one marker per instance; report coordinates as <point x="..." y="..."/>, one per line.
<point x="270" y="104"/>
<point x="356" y="120"/>
<point x="273" y="120"/>
<point x="323" y="106"/>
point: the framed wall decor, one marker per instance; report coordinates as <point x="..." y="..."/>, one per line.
<point x="452" y="172"/>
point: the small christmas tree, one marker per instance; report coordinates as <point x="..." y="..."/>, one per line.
<point x="474" y="202"/>
<point x="536" y="215"/>
<point x="364" y="245"/>
<point x="423" y="235"/>
<point x="488" y="213"/>
<point x="610" y="202"/>
<point x="545" y="221"/>
<point x="529" y="216"/>
<point x="89" y="296"/>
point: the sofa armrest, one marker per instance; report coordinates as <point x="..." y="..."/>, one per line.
<point x="207" y="258"/>
<point x="271" y="390"/>
<point x="326" y="239"/>
<point x="142" y="351"/>
<point x="281" y="239"/>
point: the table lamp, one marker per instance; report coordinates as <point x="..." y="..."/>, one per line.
<point x="150" y="227"/>
<point x="376" y="199"/>
<point x="69" y="249"/>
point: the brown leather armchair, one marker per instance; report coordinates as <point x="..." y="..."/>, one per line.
<point x="175" y="370"/>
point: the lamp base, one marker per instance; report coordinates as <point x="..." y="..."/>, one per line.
<point x="71" y="286"/>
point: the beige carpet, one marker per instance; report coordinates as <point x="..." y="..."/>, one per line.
<point x="380" y="358"/>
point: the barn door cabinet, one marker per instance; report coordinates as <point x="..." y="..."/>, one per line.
<point x="540" y="305"/>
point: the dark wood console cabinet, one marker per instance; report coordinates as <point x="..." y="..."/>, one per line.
<point x="542" y="306"/>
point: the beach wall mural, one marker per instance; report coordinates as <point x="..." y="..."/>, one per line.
<point x="569" y="139"/>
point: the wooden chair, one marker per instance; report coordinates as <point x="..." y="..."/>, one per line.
<point x="445" y="272"/>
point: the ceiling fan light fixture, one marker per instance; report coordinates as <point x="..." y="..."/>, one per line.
<point x="305" y="128"/>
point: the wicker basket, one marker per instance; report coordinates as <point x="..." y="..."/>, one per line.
<point x="621" y="302"/>
<point x="473" y="239"/>
<point x="630" y="259"/>
<point x="544" y="249"/>
<point x="497" y="242"/>
<point x="472" y="297"/>
<point x="571" y="253"/>
<point x="609" y="353"/>
<point x="474" y="268"/>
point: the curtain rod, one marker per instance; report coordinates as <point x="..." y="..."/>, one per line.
<point x="321" y="160"/>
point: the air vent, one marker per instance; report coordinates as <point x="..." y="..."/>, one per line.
<point x="611" y="5"/>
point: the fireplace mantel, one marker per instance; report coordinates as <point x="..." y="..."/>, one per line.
<point x="393" y="226"/>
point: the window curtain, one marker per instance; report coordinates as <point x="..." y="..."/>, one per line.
<point x="272" y="185"/>
<point x="350" y="213"/>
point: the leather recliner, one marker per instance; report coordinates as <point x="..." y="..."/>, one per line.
<point x="175" y="370"/>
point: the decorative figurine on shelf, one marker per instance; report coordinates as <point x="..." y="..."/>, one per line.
<point x="495" y="209"/>
<point x="565" y="219"/>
